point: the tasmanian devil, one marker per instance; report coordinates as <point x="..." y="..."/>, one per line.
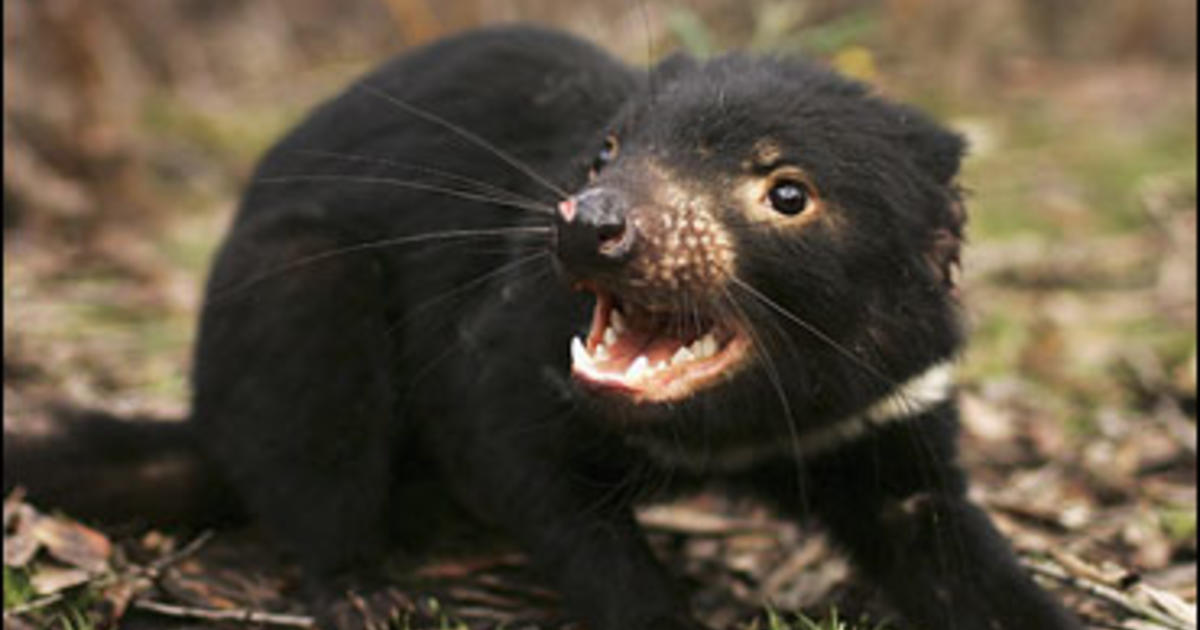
<point x="567" y="286"/>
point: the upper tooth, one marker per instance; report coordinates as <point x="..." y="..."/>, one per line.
<point x="681" y="355"/>
<point x="637" y="368"/>
<point x="610" y="336"/>
<point x="579" y="354"/>
<point x="616" y="320"/>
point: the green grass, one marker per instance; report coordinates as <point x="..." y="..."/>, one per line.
<point x="693" y="34"/>
<point x="17" y="589"/>
<point x="1116" y="167"/>
<point x="996" y="342"/>
<point x="241" y="134"/>
<point x="1172" y="343"/>
<point x="1179" y="523"/>
<point x="68" y="613"/>
<point x="850" y="29"/>
<point x="832" y="621"/>
<point x="1058" y="176"/>
<point x="191" y="245"/>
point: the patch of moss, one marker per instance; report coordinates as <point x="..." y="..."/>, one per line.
<point x="17" y="588"/>
<point x="1178" y="523"/>
<point x="239" y="136"/>
<point x="996" y="342"/>
<point x="693" y="34"/>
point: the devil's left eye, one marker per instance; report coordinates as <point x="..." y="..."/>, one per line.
<point x="606" y="155"/>
<point x="788" y="197"/>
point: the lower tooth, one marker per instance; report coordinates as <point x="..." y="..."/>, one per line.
<point x="681" y="355"/>
<point x="579" y="354"/>
<point x="602" y="353"/>
<point x="637" y="368"/>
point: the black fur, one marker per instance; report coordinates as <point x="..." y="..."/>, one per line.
<point x="327" y="371"/>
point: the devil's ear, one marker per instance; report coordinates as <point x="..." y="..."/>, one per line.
<point x="945" y="244"/>
<point x="938" y="153"/>
<point x="934" y="149"/>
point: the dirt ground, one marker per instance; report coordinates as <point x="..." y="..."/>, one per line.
<point x="130" y="129"/>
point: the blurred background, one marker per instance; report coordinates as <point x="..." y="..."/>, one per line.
<point x="130" y="127"/>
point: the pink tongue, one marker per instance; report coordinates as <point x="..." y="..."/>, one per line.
<point x="662" y="349"/>
<point x="629" y="345"/>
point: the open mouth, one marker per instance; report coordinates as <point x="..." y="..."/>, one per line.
<point x="654" y="356"/>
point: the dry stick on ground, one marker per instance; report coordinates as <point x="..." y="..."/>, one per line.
<point x="229" y="614"/>
<point x="167" y="560"/>
<point x="32" y="605"/>
<point x="152" y="571"/>
<point x="1108" y="594"/>
<point x="232" y="614"/>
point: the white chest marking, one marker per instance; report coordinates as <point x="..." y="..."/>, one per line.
<point x="911" y="399"/>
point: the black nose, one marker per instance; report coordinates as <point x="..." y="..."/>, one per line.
<point x="592" y="231"/>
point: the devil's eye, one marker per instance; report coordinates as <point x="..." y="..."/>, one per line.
<point x="788" y="197"/>
<point x="607" y="154"/>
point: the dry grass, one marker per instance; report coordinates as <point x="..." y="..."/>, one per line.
<point x="1078" y="391"/>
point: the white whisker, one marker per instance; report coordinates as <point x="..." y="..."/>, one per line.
<point x="420" y="168"/>
<point x="465" y="134"/>
<point x="222" y="293"/>
<point x="816" y="332"/>
<point x="404" y="183"/>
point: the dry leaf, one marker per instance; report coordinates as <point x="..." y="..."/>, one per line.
<point x="48" y="580"/>
<point x="20" y="544"/>
<point x="13" y="505"/>
<point x="73" y="543"/>
<point x="19" y="550"/>
<point x="986" y="420"/>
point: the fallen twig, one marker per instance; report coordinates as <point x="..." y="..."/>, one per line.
<point x="675" y="519"/>
<point x="230" y="614"/>
<point x="794" y="564"/>
<point x="32" y="605"/>
<point x="1109" y="594"/>
<point x="156" y="567"/>
<point x="1117" y="579"/>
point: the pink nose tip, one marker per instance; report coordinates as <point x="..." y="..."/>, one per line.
<point x="567" y="209"/>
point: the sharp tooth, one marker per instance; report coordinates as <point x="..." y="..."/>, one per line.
<point x="579" y="354"/>
<point x="705" y="347"/>
<point x="610" y="336"/>
<point x="661" y="365"/>
<point x="637" y="368"/>
<point x="616" y="320"/>
<point x="601" y="353"/>
<point x="682" y="355"/>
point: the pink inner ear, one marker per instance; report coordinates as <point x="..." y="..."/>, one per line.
<point x="943" y="257"/>
<point x="567" y="209"/>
